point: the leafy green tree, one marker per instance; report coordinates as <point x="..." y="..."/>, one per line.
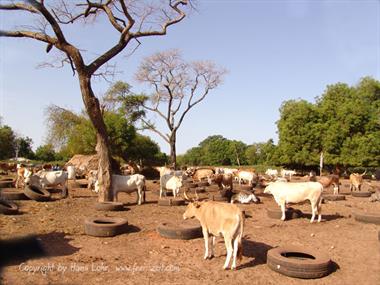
<point x="24" y="146"/>
<point x="45" y="153"/>
<point x="7" y="142"/>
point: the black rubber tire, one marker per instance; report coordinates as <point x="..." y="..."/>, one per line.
<point x="378" y="235"/>
<point x="8" y="207"/>
<point x="109" y="206"/>
<point x="199" y="190"/>
<point x="361" y="194"/>
<point x="171" y="202"/>
<point x="7" y="183"/>
<point x="36" y="193"/>
<point x="203" y="184"/>
<point x="105" y="227"/>
<point x="332" y="197"/>
<point x="190" y="185"/>
<point x="12" y="194"/>
<point x="290" y="213"/>
<point x="181" y="230"/>
<point x="313" y="265"/>
<point x="53" y="190"/>
<point x="218" y="198"/>
<point x="369" y="218"/>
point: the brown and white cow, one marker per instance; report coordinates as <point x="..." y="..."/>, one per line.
<point x="356" y="181"/>
<point x="223" y="180"/>
<point x="202" y="173"/>
<point x="22" y="174"/>
<point x="329" y="180"/>
<point x="217" y="218"/>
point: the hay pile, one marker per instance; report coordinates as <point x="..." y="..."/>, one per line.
<point x="84" y="162"/>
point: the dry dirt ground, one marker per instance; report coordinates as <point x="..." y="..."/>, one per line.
<point x="142" y="256"/>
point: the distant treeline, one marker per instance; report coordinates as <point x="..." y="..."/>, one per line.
<point x="343" y="123"/>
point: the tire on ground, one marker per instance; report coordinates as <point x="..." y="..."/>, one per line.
<point x="297" y="262"/>
<point x="361" y="194"/>
<point x="7" y="182"/>
<point x="332" y="197"/>
<point x="12" y="194"/>
<point x="369" y="218"/>
<point x="109" y="206"/>
<point x="190" y="185"/>
<point x="203" y="184"/>
<point x="37" y="193"/>
<point x="171" y="202"/>
<point x="105" y="226"/>
<point x="218" y="198"/>
<point x="290" y="213"/>
<point x="8" y="207"/>
<point x="183" y="230"/>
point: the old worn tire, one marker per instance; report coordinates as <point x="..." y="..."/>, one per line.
<point x="297" y="262"/>
<point x="37" y="193"/>
<point x="218" y="198"/>
<point x="190" y="185"/>
<point x="105" y="226"/>
<point x="361" y="194"/>
<point x="7" y="182"/>
<point x="181" y="230"/>
<point x="332" y="197"/>
<point x="8" y="207"/>
<point x="203" y="184"/>
<point x="171" y="202"/>
<point x="53" y="190"/>
<point x="200" y="189"/>
<point x="83" y="183"/>
<point x="290" y="213"/>
<point x="369" y="218"/>
<point x="12" y="194"/>
<point x="109" y="206"/>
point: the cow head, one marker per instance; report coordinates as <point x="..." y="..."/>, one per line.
<point x="33" y="180"/>
<point x="191" y="210"/>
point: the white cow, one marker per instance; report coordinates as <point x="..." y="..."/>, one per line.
<point x="290" y="173"/>
<point x="249" y="176"/>
<point x="272" y="172"/>
<point x="49" y="178"/>
<point x="127" y="184"/>
<point x="170" y="182"/>
<point x="295" y="193"/>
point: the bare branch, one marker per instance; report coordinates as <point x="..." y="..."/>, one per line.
<point x="151" y="127"/>
<point x="18" y="6"/>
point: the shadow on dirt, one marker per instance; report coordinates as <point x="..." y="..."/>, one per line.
<point x="257" y="251"/>
<point x="57" y="244"/>
<point x="325" y="217"/>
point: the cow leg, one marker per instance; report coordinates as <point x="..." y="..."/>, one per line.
<point x="313" y="211"/>
<point x="229" y="248"/>
<point x="160" y="191"/>
<point x="212" y="247"/>
<point x="236" y="249"/>
<point x="282" y="205"/>
<point x="205" y="236"/>
<point x="139" y="196"/>
<point x="319" y="209"/>
<point x="64" y="191"/>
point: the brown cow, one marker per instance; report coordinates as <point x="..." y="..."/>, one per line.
<point x="202" y="173"/>
<point x="217" y="218"/>
<point x="223" y="180"/>
<point x="356" y="181"/>
<point x="327" y="181"/>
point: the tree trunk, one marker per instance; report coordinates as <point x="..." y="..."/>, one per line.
<point x="173" y="151"/>
<point x="93" y="110"/>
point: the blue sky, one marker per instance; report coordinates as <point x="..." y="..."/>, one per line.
<point x="273" y="51"/>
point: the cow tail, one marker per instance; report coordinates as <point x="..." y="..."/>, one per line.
<point x="240" y="244"/>
<point x="144" y="190"/>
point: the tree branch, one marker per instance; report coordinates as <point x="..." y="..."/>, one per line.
<point x="153" y="129"/>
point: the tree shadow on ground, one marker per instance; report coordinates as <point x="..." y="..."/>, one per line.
<point x="257" y="251"/>
<point x="17" y="250"/>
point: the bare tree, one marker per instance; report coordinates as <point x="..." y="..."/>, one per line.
<point x="132" y="20"/>
<point x="177" y="87"/>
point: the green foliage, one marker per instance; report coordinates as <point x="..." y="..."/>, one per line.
<point x="46" y="153"/>
<point x="344" y="123"/>
<point x="7" y="142"/>
<point x="24" y="146"/>
<point x="260" y="153"/>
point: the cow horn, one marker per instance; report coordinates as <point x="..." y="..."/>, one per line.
<point x="364" y="172"/>
<point x="196" y="195"/>
<point x="185" y="195"/>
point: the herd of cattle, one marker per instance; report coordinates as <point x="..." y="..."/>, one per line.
<point x="216" y="218"/>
